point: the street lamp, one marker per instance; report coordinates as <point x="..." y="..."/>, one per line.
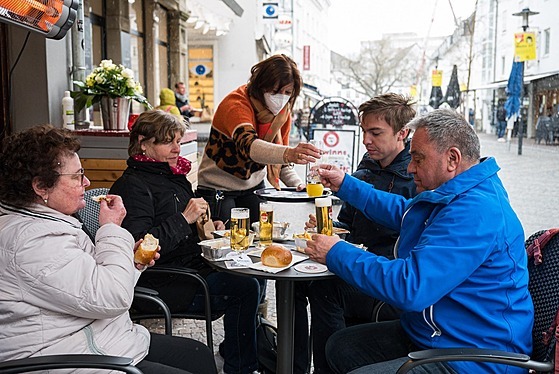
<point x="525" y="14"/>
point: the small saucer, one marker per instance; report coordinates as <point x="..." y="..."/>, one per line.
<point x="312" y="268"/>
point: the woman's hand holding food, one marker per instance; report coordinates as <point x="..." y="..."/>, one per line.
<point x="302" y="154"/>
<point x="142" y="267"/>
<point x="111" y="210"/>
<point x="194" y="209"/>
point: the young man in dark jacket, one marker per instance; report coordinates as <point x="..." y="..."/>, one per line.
<point x="385" y="167"/>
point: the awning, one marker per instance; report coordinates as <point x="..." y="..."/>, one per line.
<point x="503" y="83"/>
<point x="313" y="94"/>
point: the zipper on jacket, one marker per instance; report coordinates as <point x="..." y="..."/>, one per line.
<point x="88" y="331"/>
<point x="431" y="322"/>
<point x="177" y="202"/>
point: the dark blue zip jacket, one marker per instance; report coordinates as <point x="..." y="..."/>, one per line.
<point x="461" y="274"/>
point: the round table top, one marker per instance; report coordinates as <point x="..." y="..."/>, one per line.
<point x="288" y="274"/>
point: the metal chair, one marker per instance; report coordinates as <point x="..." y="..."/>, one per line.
<point x="77" y="361"/>
<point x="544" y="289"/>
<point x="90" y="217"/>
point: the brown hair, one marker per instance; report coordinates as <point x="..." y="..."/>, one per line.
<point x="33" y="153"/>
<point x="272" y="74"/>
<point x="154" y="124"/>
<point x="396" y="110"/>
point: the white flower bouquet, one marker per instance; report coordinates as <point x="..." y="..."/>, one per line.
<point x="108" y="79"/>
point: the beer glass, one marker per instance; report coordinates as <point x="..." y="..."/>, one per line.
<point x="314" y="187"/>
<point x="324" y="215"/>
<point x="240" y="229"/>
<point x="266" y="223"/>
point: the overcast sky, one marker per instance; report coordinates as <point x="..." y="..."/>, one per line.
<point x="352" y="21"/>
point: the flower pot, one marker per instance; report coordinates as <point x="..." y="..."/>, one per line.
<point x="114" y="113"/>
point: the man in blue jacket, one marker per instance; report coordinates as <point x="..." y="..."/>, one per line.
<point x="460" y="275"/>
<point x="385" y="167"/>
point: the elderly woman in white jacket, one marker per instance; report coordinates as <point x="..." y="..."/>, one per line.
<point x="60" y="293"/>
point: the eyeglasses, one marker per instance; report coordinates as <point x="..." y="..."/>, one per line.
<point x="79" y="176"/>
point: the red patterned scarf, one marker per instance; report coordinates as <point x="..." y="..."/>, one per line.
<point x="182" y="168"/>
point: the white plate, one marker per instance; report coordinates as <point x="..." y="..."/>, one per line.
<point x="310" y="267"/>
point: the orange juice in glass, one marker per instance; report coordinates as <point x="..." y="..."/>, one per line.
<point x="314" y="187"/>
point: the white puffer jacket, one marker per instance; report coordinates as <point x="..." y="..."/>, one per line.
<point x="61" y="294"/>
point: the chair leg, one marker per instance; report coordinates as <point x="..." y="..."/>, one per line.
<point x="208" y="314"/>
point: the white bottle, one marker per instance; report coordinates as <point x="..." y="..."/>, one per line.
<point x="68" y="111"/>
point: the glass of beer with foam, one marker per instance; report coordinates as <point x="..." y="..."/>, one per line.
<point x="240" y="218"/>
<point x="324" y="221"/>
<point x="266" y="222"/>
<point x="314" y="187"/>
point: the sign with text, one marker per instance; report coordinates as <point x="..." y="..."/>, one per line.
<point x="437" y="78"/>
<point x="524" y="46"/>
<point x="334" y="112"/>
<point x="339" y="146"/>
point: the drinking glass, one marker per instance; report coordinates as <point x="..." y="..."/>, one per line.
<point x="266" y="223"/>
<point x="240" y="229"/>
<point x="324" y="221"/>
<point x="314" y="187"/>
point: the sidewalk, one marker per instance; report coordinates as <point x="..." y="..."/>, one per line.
<point x="532" y="181"/>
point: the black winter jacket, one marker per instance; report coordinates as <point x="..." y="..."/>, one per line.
<point x="395" y="179"/>
<point x="154" y="198"/>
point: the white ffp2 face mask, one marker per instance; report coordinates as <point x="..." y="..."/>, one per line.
<point x="275" y="102"/>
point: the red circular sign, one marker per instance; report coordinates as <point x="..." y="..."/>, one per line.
<point x="331" y="139"/>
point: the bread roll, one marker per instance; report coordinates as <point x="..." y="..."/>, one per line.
<point x="146" y="250"/>
<point x="276" y="256"/>
<point x="101" y="197"/>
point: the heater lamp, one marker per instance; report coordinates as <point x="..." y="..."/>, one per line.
<point x="52" y="18"/>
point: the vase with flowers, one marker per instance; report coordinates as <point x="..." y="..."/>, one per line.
<point x="112" y="86"/>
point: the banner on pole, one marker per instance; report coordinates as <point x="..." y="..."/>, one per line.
<point x="524" y="46"/>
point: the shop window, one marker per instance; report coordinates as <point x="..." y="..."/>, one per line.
<point x="200" y="77"/>
<point x="94" y="34"/>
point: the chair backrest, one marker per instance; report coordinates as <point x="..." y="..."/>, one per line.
<point x="544" y="288"/>
<point x="90" y="214"/>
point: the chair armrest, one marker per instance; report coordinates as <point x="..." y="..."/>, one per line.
<point x="145" y="291"/>
<point x="151" y="295"/>
<point x="473" y="354"/>
<point x="70" y="361"/>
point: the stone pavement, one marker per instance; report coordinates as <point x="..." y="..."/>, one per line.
<point x="531" y="179"/>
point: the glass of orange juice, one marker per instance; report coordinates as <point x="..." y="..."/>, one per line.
<point x="314" y="187"/>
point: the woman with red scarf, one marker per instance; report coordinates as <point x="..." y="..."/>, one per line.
<point x="159" y="200"/>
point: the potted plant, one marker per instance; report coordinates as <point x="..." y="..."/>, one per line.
<point x="113" y="86"/>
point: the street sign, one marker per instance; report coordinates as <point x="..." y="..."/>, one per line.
<point x="524" y="46"/>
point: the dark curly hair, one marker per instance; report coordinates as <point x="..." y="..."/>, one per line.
<point x="34" y="153"/>
<point x="271" y="75"/>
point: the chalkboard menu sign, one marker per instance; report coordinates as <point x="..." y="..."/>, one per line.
<point x="334" y="112"/>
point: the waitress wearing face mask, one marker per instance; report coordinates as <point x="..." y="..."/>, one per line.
<point x="249" y="140"/>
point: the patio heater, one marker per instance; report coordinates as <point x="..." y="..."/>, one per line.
<point x="52" y="18"/>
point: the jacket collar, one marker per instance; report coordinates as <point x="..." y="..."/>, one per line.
<point x="42" y="212"/>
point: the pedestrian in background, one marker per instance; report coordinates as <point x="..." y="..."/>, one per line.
<point x="181" y="100"/>
<point x="501" y="123"/>
<point x="460" y="275"/>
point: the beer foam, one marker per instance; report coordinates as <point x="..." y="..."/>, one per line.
<point x="322" y="202"/>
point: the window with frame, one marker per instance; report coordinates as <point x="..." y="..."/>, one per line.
<point x="137" y="49"/>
